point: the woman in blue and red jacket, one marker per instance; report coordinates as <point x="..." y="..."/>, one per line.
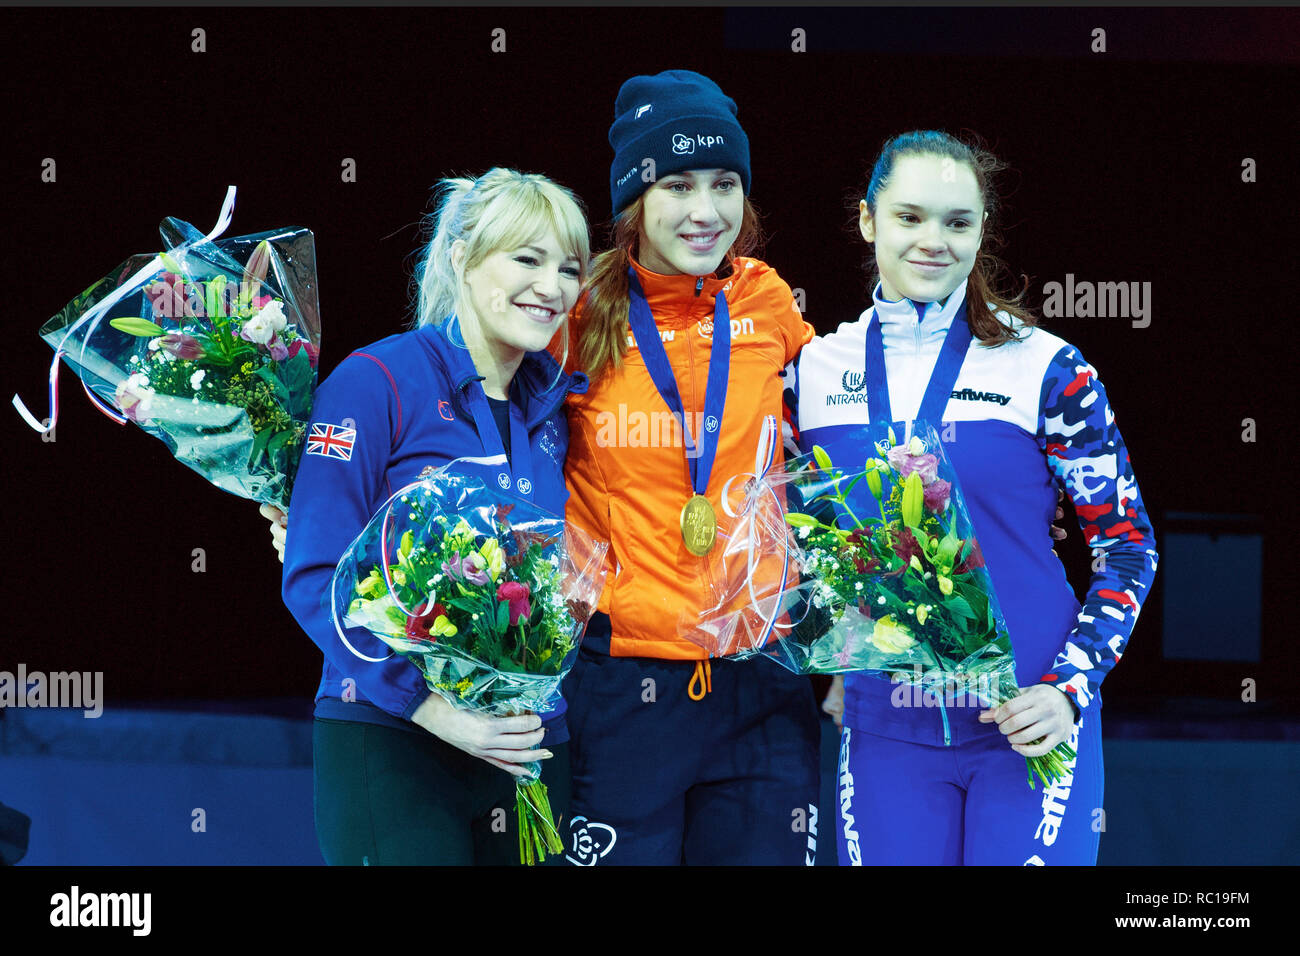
<point x="401" y="776"/>
<point x="1022" y="414"/>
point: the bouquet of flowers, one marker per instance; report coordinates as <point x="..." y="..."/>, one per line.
<point x="893" y="580"/>
<point x="750" y="578"/>
<point x="210" y="346"/>
<point x="487" y="594"/>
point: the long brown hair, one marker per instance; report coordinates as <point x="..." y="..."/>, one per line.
<point x="604" y="300"/>
<point x="983" y="285"/>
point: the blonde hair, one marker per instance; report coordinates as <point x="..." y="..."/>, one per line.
<point x="502" y="209"/>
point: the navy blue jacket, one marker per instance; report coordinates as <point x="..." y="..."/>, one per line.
<point x="386" y="413"/>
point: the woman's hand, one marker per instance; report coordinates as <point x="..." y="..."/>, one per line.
<point x="1040" y="711"/>
<point x="504" y="742"/>
<point x="834" y="702"/>
<point x="279" y="524"/>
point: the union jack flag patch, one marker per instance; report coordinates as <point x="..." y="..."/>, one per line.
<point x="332" y="441"/>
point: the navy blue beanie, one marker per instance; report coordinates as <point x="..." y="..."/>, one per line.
<point x="679" y="119"/>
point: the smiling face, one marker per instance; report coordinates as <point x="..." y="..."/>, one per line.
<point x="927" y="227"/>
<point x="689" y="221"/>
<point x="515" y="299"/>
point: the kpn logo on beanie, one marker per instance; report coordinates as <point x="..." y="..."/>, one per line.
<point x="684" y="145"/>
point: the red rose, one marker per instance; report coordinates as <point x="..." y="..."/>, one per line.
<point x="516" y="595"/>
<point x="298" y="345"/>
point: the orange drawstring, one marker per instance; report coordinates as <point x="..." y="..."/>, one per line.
<point x="704" y="677"/>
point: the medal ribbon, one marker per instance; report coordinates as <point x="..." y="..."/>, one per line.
<point x="942" y="379"/>
<point x="641" y="320"/>
<point x="516" y="471"/>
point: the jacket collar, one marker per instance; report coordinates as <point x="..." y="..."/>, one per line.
<point x="907" y="323"/>
<point x="673" y="299"/>
<point x="539" y="385"/>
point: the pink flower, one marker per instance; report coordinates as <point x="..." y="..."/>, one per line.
<point x="843" y="656"/>
<point x="905" y="463"/>
<point x="168" y="298"/>
<point x="936" y="495"/>
<point x="181" y="345"/>
<point x="517" y="596"/>
<point x="279" y="351"/>
<point x="135" y="397"/>
<point x="471" y="568"/>
<point x="972" y="561"/>
<point x="261" y="300"/>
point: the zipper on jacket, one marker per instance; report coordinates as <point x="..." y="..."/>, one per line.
<point x="947" y="735"/>
<point x="699" y="286"/>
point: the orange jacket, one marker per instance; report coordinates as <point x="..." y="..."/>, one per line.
<point x="627" y="470"/>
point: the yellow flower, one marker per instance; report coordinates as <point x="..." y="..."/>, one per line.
<point x="442" y="627"/>
<point x="398" y="575"/>
<point x="890" y="636"/>
<point x="915" y="563"/>
<point x="494" y="556"/>
<point x="922" y="610"/>
<point x="945" y="584"/>
<point x="372" y="585"/>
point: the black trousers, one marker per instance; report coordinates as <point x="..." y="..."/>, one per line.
<point x="390" y="797"/>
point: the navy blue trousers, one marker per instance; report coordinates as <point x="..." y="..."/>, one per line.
<point x="662" y="779"/>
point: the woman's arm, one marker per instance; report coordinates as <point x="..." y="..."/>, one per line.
<point x="333" y="497"/>
<point x="1085" y="451"/>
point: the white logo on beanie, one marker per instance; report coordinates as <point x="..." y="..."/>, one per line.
<point x="643" y="109"/>
<point x="684" y="145"/>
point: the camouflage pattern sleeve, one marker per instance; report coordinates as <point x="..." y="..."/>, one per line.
<point x="1077" y="432"/>
<point x="790" y="409"/>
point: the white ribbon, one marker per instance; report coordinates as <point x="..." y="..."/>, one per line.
<point x="95" y="314"/>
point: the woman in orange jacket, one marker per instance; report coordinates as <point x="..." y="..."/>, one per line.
<point x="677" y="758"/>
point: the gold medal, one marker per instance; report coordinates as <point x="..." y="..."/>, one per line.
<point x="699" y="525"/>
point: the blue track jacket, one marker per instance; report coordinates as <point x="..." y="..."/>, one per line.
<point x="386" y="413"/>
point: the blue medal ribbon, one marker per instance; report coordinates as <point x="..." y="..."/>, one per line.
<point x="516" y="470"/>
<point x="641" y="321"/>
<point x="946" y="369"/>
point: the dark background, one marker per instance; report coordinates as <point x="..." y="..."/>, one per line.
<point x="1126" y="166"/>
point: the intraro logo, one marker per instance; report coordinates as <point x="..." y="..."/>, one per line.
<point x="683" y="145"/>
<point x="853" y="381"/>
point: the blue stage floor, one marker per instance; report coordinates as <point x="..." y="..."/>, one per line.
<point x="231" y="783"/>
